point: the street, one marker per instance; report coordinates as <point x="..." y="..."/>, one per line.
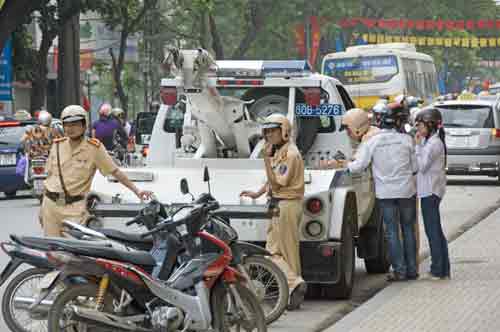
<point x="464" y="201"/>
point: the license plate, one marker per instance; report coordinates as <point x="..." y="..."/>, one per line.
<point x="304" y="110"/>
<point x="38" y="185"/>
<point x="48" y="279"/>
<point x="7" y="159"/>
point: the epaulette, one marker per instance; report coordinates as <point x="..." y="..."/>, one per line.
<point x="59" y="140"/>
<point x="94" y="141"/>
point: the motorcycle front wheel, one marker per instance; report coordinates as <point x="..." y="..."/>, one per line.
<point x="232" y="314"/>
<point x="270" y="285"/>
<point x="19" y="294"/>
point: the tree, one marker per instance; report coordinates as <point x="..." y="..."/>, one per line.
<point x="125" y="16"/>
<point x="13" y="13"/>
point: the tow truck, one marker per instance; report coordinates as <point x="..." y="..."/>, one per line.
<point x="210" y="117"/>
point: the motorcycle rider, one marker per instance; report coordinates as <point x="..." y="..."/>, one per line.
<point x="72" y="163"/>
<point x="104" y="129"/>
<point x="391" y="155"/>
<point x="285" y="186"/>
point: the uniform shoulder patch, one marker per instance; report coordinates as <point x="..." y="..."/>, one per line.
<point x="59" y="140"/>
<point x="94" y="142"/>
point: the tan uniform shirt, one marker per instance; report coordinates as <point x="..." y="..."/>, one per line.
<point x="288" y="167"/>
<point x="78" y="166"/>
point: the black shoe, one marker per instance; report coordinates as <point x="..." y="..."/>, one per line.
<point x="395" y="277"/>
<point x="412" y="277"/>
<point x="297" y="297"/>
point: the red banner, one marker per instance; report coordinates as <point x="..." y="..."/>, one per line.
<point x="315" y="39"/>
<point x="420" y="25"/>
<point x="300" y="39"/>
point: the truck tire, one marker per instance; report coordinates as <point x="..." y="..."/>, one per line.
<point x="343" y="288"/>
<point x="380" y="263"/>
<point x="10" y="194"/>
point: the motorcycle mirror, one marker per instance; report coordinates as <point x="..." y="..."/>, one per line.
<point x="184" y="186"/>
<point x="206" y="175"/>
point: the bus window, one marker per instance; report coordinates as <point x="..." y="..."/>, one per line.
<point x="362" y="69"/>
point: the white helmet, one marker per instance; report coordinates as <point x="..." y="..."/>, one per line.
<point x="73" y="113"/>
<point x="44" y="118"/>
<point x="357" y="120"/>
<point x="118" y="112"/>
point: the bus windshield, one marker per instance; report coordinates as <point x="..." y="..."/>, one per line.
<point x="362" y="69"/>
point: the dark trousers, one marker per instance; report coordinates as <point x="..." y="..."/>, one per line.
<point x="401" y="213"/>
<point x="440" y="259"/>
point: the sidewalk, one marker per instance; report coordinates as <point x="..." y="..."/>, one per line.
<point x="469" y="302"/>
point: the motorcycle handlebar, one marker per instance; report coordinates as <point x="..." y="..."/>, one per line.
<point x="171" y="225"/>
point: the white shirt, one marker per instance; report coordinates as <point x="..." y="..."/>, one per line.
<point x="431" y="177"/>
<point x="392" y="156"/>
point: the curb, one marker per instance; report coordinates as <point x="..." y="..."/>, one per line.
<point x="355" y="303"/>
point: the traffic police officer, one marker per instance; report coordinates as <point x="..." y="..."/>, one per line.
<point x="285" y="186"/>
<point x="72" y="163"/>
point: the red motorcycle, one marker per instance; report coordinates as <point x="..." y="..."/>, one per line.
<point x="116" y="293"/>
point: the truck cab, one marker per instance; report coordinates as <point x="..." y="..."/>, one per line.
<point x="211" y="117"/>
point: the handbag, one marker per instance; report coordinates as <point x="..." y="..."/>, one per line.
<point x="21" y="166"/>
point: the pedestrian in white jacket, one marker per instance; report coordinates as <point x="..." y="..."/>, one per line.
<point x="431" y="186"/>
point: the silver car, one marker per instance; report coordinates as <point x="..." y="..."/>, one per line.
<point x="472" y="135"/>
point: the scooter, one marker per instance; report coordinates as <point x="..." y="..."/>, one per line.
<point x="203" y="293"/>
<point x="38" y="174"/>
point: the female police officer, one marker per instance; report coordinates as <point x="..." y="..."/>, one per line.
<point x="285" y="186"/>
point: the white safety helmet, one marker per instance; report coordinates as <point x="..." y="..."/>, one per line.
<point x="44" y="118"/>
<point x="73" y="113"/>
<point x="278" y="120"/>
<point x="118" y="112"/>
<point x="357" y="120"/>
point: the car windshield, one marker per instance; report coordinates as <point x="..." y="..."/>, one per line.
<point x="11" y="135"/>
<point x="362" y="69"/>
<point x="467" y="116"/>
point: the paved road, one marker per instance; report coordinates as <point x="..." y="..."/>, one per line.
<point x="464" y="201"/>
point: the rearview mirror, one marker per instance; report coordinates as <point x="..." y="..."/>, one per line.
<point x="184" y="186"/>
<point x="206" y="175"/>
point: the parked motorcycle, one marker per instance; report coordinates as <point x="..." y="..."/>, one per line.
<point x="38" y="174"/>
<point x="203" y="293"/>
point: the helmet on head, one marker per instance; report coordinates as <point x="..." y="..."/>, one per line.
<point x="73" y="113"/>
<point x="44" y="118"/>
<point x="413" y="114"/>
<point x="154" y="107"/>
<point x="22" y="115"/>
<point x="431" y="117"/>
<point x="357" y="120"/>
<point x="412" y="102"/>
<point x="277" y="120"/>
<point x="105" y="109"/>
<point x="118" y="112"/>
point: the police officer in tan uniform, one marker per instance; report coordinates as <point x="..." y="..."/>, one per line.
<point x="72" y="163"/>
<point x="285" y="186"/>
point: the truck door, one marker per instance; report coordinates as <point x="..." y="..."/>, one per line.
<point x="362" y="182"/>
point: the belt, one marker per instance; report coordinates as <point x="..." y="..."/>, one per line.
<point x="60" y="198"/>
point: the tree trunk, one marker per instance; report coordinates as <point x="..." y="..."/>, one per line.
<point x="255" y="20"/>
<point x="68" y="73"/>
<point x="118" y="68"/>
<point x="216" y="40"/>
<point x="39" y="82"/>
<point x="13" y="14"/>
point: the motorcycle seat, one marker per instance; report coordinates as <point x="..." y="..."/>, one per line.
<point x="87" y="248"/>
<point x="119" y="236"/>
